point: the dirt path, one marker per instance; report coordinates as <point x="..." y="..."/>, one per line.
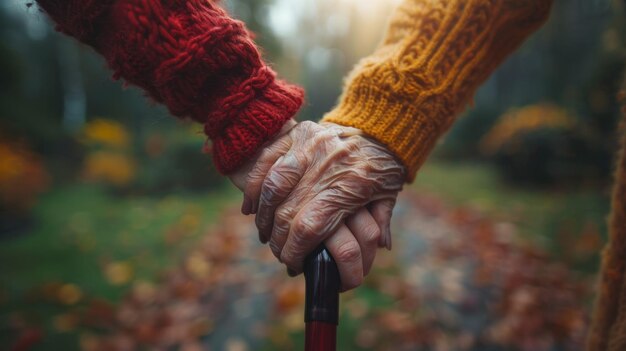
<point x="455" y="280"/>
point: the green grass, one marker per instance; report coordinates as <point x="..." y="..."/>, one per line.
<point x="80" y="228"/>
<point x="552" y="218"/>
<point x="81" y="225"/>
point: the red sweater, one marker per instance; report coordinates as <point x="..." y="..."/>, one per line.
<point x="192" y="57"/>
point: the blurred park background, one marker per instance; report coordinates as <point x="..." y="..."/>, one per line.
<point x="117" y="234"/>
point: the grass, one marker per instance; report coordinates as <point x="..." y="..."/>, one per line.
<point x="552" y="218"/>
<point x="81" y="230"/>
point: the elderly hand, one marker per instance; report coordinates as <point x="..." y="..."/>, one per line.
<point x="308" y="183"/>
<point x="276" y="146"/>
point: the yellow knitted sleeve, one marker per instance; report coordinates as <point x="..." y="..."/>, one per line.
<point x="432" y="59"/>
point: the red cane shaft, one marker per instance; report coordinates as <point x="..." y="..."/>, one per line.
<point x="320" y="336"/>
<point x="321" y="313"/>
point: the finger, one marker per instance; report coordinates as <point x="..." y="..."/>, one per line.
<point x="286" y="212"/>
<point x="345" y="249"/>
<point x="382" y="210"/>
<point x="256" y="176"/>
<point x="279" y="182"/>
<point x="280" y="229"/>
<point x="367" y="234"/>
<point x="313" y="223"/>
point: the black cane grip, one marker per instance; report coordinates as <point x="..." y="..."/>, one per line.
<point x="322" y="287"/>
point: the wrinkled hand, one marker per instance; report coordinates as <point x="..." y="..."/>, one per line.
<point x="307" y="184"/>
<point x="360" y="231"/>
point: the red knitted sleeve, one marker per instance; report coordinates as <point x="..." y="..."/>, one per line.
<point x="192" y="57"/>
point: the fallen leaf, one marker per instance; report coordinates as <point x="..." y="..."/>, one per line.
<point x="69" y="294"/>
<point x="118" y="273"/>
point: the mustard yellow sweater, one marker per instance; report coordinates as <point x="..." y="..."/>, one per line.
<point x="608" y="329"/>
<point x="432" y="59"/>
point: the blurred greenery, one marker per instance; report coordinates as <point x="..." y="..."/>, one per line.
<point x="86" y="237"/>
<point x="78" y="225"/>
<point x="549" y="218"/>
<point x="576" y="62"/>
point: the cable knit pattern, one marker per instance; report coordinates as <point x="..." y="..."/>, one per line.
<point x="434" y="56"/>
<point x="608" y="330"/>
<point x="192" y="57"/>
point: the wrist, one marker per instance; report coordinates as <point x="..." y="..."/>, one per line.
<point x="239" y="176"/>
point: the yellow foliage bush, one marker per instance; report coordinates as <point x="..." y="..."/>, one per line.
<point x="523" y="120"/>
<point x="110" y="167"/>
<point x="107" y="133"/>
<point x="109" y="159"/>
<point x="22" y="176"/>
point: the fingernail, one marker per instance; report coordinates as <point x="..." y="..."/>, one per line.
<point x="262" y="238"/>
<point x="382" y="243"/>
<point x="291" y="272"/>
<point x="388" y="239"/>
<point x="246" y="205"/>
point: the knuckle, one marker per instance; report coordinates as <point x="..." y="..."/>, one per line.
<point x="287" y="174"/>
<point x="283" y="218"/>
<point x="349" y="252"/>
<point x="305" y="231"/>
<point x="276" y="186"/>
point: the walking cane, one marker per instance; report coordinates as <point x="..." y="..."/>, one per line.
<point x="321" y="313"/>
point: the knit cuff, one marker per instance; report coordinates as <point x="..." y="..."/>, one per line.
<point x="78" y="19"/>
<point x="401" y="125"/>
<point x="256" y="123"/>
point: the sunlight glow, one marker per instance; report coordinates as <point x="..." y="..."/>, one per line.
<point x="329" y="33"/>
<point x="285" y="16"/>
<point x="370" y="7"/>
